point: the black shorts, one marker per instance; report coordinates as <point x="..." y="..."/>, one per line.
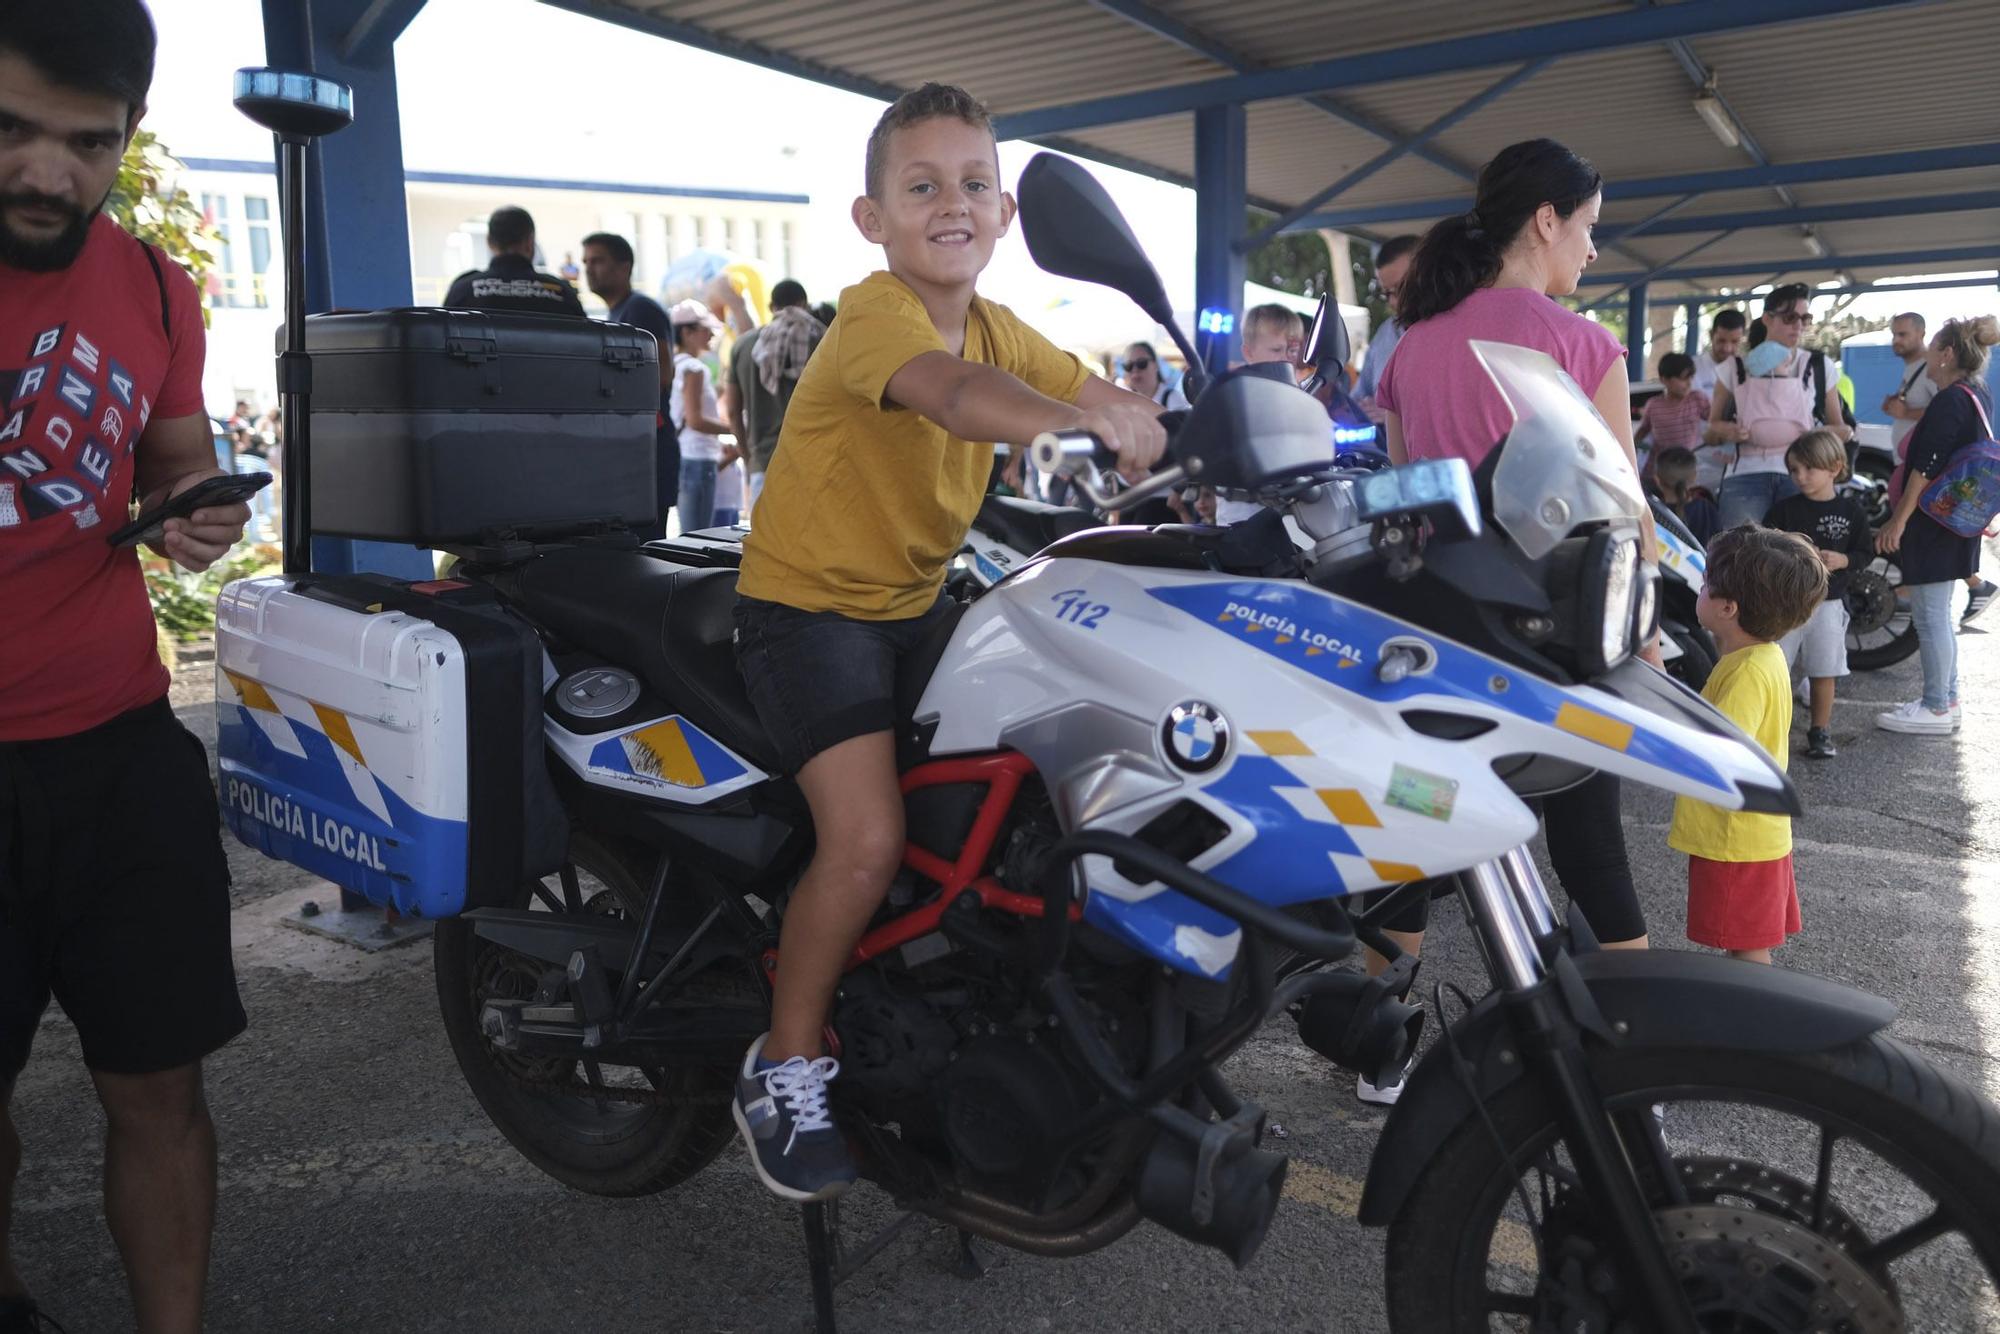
<point x="114" y="896"/>
<point x="818" y="678"/>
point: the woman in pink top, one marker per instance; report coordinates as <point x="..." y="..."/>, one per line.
<point x="1490" y="274"/>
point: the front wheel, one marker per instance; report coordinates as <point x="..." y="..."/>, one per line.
<point x="1880" y="628"/>
<point x="1843" y="1190"/>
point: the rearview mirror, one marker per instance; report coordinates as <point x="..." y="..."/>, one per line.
<point x="1327" y="343"/>
<point x="1075" y="231"/>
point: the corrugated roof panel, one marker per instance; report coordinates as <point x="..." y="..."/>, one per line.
<point x="1284" y="32"/>
<point x="1802" y="90"/>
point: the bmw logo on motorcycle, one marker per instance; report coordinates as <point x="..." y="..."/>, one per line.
<point x="1196" y="736"/>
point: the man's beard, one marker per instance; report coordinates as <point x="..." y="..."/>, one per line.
<point x="60" y="250"/>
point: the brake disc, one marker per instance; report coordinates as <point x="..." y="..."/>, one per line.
<point x="1746" y="1270"/>
<point x="1871" y="601"/>
<point x="1768" y="1191"/>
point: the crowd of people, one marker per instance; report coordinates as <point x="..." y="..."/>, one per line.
<point x="900" y="398"/>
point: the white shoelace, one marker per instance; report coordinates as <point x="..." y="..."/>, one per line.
<point x="802" y="1084"/>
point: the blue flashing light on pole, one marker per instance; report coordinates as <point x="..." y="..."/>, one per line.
<point x="1215" y="321"/>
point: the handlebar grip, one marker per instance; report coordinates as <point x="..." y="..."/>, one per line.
<point x="1052" y="449"/>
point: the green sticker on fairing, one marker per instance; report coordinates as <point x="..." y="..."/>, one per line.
<point x="1429" y="795"/>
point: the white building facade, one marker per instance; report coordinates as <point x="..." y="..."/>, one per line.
<point x="448" y="211"/>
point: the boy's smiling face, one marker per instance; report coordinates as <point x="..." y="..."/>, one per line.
<point x="942" y="208"/>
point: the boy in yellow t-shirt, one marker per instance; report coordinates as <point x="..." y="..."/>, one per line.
<point x="1761" y="585"/>
<point x="880" y="468"/>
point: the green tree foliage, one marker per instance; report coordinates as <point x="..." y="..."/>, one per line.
<point x="1295" y="262"/>
<point x="145" y="204"/>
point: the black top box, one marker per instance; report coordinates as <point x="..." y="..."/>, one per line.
<point x="447" y="427"/>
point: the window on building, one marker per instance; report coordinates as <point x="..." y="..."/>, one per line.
<point x="757" y="240"/>
<point x="257" y="218"/>
<point x="729" y="230"/>
<point x="701" y="233"/>
<point x="221" y="277"/>
<point x="670" y="228"/>
<point x="785" y="236"/>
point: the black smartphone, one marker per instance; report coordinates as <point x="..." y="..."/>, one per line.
<point x="148" y="527"/>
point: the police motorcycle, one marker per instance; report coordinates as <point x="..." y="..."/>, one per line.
<point x="1135" y="779"/>
<point x="1687" y="649"/>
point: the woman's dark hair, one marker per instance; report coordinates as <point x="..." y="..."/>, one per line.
<point x="1462" y="254"/>
<point x="95" y="46"/>
<point x="1150" y="351"/>
<point x="1759" y="331"/>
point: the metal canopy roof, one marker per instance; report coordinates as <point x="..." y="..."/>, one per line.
<point x="1871" y="115"/>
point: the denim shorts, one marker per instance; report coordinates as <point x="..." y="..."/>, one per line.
<point x="817" y="678"/>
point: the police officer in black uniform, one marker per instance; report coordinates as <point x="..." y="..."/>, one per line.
<point x="511" y="282"/>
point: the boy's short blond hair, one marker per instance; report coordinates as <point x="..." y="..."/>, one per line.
<point x="1274" y="317"/>
<point x="932" y="101"/>
<point x="1776" y="580"/>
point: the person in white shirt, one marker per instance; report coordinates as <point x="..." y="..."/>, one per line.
<point x="696" y="413"/>
<point x="1725" y="340"/>
<point x="1775" y="409"/>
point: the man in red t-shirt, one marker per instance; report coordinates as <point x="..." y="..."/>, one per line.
<point x="114" y="891"/>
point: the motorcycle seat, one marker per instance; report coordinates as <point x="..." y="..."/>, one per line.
<point x="1029" y="525"/>
<point x="670" y="624"/>
<point x="673" y="625"/>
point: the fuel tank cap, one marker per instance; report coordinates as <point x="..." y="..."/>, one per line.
<point x="598" y="692"/>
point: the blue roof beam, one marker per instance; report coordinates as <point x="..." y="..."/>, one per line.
<point x="1658" y="270"/>
<point x="1806" y="214"/>
<point x="1468" y="107"/>
<point x="1851" y="289"/>
<point x="376" y="31"/>
<point x="1984" y="256"/>
<point x="1866" y="166"/>
<point x="1603" y="32"/>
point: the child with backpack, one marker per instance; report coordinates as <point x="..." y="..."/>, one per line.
<point x="1837" y="528"/>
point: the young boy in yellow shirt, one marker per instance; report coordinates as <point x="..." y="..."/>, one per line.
<point x="1762" y="584"/>
<point x="880" y="468"/>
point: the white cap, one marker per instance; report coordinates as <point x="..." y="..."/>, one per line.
<point x="693" y="312"/>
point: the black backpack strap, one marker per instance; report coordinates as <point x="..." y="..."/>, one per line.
<point x="160" y="280"/>
<point x="1816" y="372"/>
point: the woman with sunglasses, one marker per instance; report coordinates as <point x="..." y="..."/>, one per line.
<point x="1141" y="366"/>
<point x="1765" y="413"/>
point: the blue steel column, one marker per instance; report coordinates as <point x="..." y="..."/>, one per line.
<point x="1636" y="315"/>
<point x="358" y="232"/>
<point x="1221" y="158"/>
<point x="1693" y="336"/>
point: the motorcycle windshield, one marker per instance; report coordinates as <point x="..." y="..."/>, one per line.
<point x="1560" y="467"/>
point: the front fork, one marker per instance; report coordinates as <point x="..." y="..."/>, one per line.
<point x="1516" y="922"/>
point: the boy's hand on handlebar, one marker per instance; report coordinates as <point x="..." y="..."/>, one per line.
<point x="1131" y="431"/>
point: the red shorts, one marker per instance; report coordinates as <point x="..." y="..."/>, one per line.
<point x="1741" y="905"/>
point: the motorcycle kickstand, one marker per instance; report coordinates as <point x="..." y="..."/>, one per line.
<point x="821" y="1220"/>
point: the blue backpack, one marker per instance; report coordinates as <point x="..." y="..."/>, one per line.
<point x="1966" y="495"/>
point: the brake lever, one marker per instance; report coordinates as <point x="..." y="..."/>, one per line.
<point x="1072" y="455"/>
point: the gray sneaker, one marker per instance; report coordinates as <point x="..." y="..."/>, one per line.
<point x="794" y="1144"/>
<point x="1981" y="599"/>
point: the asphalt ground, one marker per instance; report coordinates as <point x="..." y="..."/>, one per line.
<point x="363" y="1189"/>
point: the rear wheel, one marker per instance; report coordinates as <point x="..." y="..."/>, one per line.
<point x="615" y="1131"/>
<point x="1808" y="1191"/>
